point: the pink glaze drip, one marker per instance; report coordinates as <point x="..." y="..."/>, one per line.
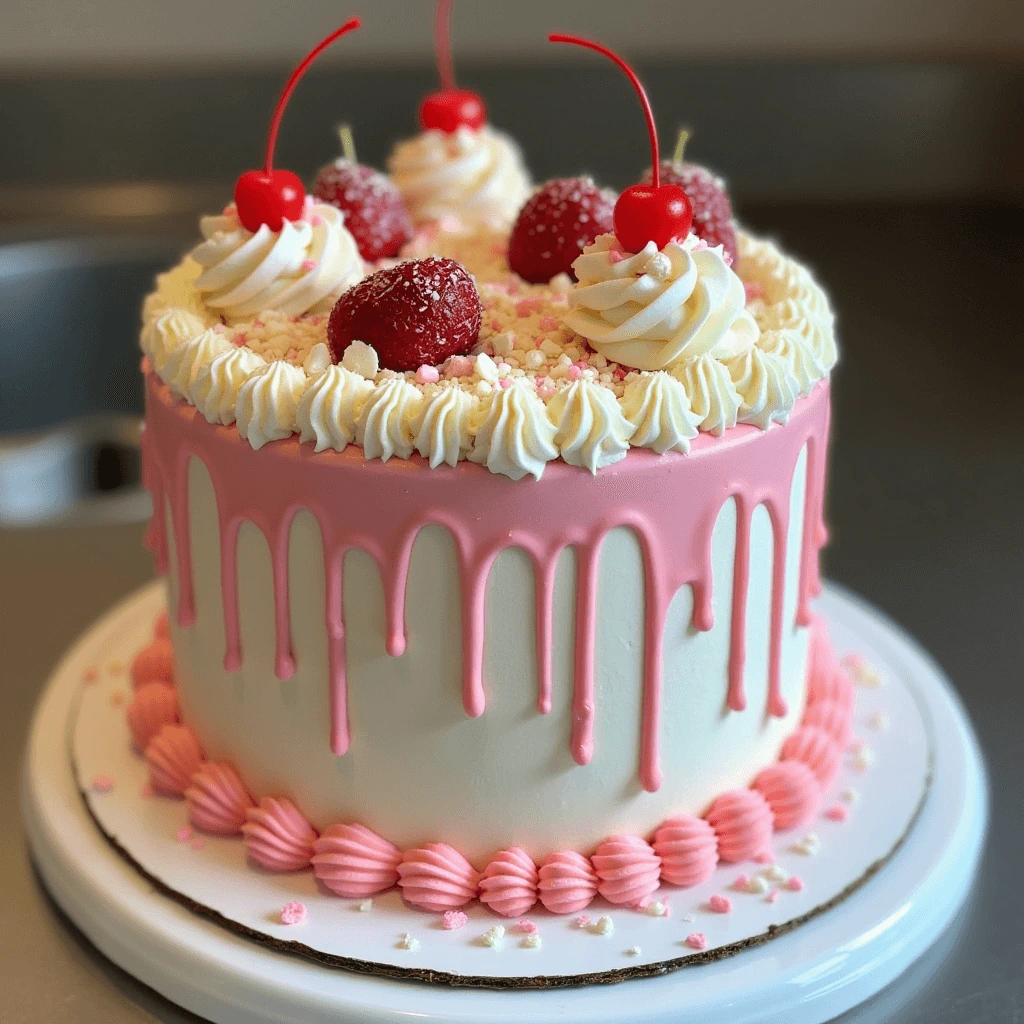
<point x="671" y="503"/>
<point x="567" y="882"/>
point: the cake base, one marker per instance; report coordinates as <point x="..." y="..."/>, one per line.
<point x="203" y="928"/>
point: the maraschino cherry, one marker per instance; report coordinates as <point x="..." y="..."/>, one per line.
<point x="273" y="196"/>
<point x="450" y="108"/>
<point x="644" y="213"/>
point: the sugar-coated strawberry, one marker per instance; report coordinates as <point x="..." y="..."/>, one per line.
<point x="556" y="223"/>
<point x="373" y="207"/>
<point x="712" y="211"/>
<point x="417" y="313"/>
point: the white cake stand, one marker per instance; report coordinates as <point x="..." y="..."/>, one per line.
<point x="812" y="973"/>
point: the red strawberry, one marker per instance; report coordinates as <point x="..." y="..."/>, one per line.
<point x="558" y="220"/>
<point x="373" y="207"/>
<point x="712" y="211"/>
<point x="419" y="312"/>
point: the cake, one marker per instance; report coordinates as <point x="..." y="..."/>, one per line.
<point x="489" y="584"/>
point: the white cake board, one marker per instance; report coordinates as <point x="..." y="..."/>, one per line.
<point x="810" y="974"/>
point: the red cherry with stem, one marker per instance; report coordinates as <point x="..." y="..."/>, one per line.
<point x="451" y="108"/>
<point x="644" y="213"/>
<point x="273" y="196"/>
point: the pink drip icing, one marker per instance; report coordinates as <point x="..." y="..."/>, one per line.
<point x="671" y="503"/>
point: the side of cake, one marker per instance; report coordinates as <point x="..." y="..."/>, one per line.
<point x="470" y="569"/>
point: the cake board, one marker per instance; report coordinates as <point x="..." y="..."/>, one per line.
<point x="810" y="956"/>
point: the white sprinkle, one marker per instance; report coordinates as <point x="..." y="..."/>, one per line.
<point x="879" y="720"/>
<point x="494" y="937"/>
<point x="318" y="360"/>
<point x="808" y="846"/>
<point x="604" y="926"/>
<point x="863" y="757"/>
<point x="658" y="909"/>
<point x="503" y="343"/>
<point x="531" y="941"/>
<point x="485" y="368"/>
<point x="776" y="873"/>
<point x="633" y="951"/>
<point x="850" y="795"/>
<point x="687" y="917"/>
<point x="757" y="885"/>
<point x="408" y="942"/>
<point x="483" y="389"/>
<point x="365" y="905"/>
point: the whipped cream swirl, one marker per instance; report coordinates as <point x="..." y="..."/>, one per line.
<point x="714" y="400"/>
<point x="182" y="366"/>
<point x="591" y="430"/>
<point x="443" y="426"/>
<point x="167" y="331"/>
<point x="267" y="401"/>
<point x="657" y="406"/>
<point x="477" y="177"/>
<point x="516" y="437"/>
<point x="654" y="309"/>
<point x="215" y="390"/>
<point x="385" y="426"/>
<point x="330" y="406"/>
<point x="303" y="268"/>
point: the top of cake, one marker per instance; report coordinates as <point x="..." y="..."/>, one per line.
<point x="446" y="310"/>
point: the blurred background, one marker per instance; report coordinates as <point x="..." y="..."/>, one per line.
<point x="879" y="140"/>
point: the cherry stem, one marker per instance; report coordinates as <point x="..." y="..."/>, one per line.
<point x="348" y="142"/>
<point x="652" y="131"/>
<point x="289" y="86"/>
<point x="443" y="44"/>
<point x="684" y="135"/>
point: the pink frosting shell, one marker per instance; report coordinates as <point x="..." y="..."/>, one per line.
<point x="173" y="756"/>
<point x="568" y="882"/>
<point x="217" y="799"/>
<point x="437" y="877"/>
<point x="817" y="749"/>
<point x="277" y="836"/>
<point x="153" y="706"/>
<point x="688" y="848"/>
<point x="792" y="792"/>
<point x="833" y="717"/>
<point x="154" y="663"/>
<point x="354" y="861"/>
<point x="508" y="884"/>
<point x="629" y="870"/>
<point x="821" y="661"/>
<point x="162" y="625"/>
<point x="742" y="820"/>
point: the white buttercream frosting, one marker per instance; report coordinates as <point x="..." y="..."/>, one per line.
<point x="167" y="331"/>
<point x="303" y="268"/>
<point x="768" y="391"/>
<point x="442" y="427"/>
<point x="215" y="390"/>
<point x="515" y="437"/>
<point x="267" y="400"/>
<point x="330" y="407"/>
<point x="182" y="366"/>
<point x="477" y="177"/>
<point x="797" y="353"/>
<point x="590" y="429"/>
<point x="714" y="400"/>
<point x="658" y="407"/>
<point x="656" y="308"/>
<point x="385" y="426"/>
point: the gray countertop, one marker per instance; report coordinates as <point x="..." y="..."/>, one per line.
<point x="927" y="487"/>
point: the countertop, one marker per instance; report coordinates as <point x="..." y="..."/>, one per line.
<point x="927" y="486"/>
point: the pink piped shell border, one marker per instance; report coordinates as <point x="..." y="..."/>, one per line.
<point x="624" y="869"/>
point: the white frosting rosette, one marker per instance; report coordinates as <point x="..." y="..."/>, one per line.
<point x="657" y="308"/>
<point x="303" y="268"/>
<point x="477" y="177"/>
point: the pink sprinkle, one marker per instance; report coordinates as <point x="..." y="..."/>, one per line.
<point x="229" y="210"/>
<point x="504" y="384"/>
<point x="90" y="675"/>
<point x="459" y="366"/>
<point x="772" y="896"/>
<point x="427" y="375"/>
<point x="116" y="699"/>
<point x="450" y="224"/>
<point x="527" y="927"/>
<point x="795" y="884"/>
<point x="527" y="307"/>
<point x="697" y="940"/>
<point x="308" y="265"/>
<point x="837" y="812"/>
<point x="257" y="322"/>
<point x="293" y="913"/>
<point x="853" y="662"/>
<point x="764" y="857"/>
<point x="495" y="325"/>
<point x="102" y="783"/>
<point x="218" y="328"/>
<point x="701" y="244"/>
<point x="147" y="791"/>
<point x="198" y="843"/>
<point x="238" y="340"/>
<point x="742" y="881"/>
<point x="645" y="903"/>
<point x="726" y="258"/>
<point x="582" y="921"/>
<point x="619" y="373"/>
<point x="549" y="323"/>
<point x="754" y="290"/>
<point x="498" y="250"/>
<point x="574" y="372"/>
<point x="316" y="220"/>
<point x="720" y="904"/>
<point x="452" y="919"/>
<point x="184" y="834"/>
<point x="614" y="256"/>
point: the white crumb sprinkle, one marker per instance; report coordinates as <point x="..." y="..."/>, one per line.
<point x="879" y="721"/>
<point x="633" y="951"/>
<point x="409" y="942"/>
<point x="658" y="909"/>
<point x="850" y="795"/>
<point x="757" y="885"/>
<point x="532" y="942"/>
<point x="365" y="905"/>
<point x="494" y="937"/>
<point x="362" y="359"/>
<point x="776" y="873"/>
<point x="604" y="926"/>
<point x="808" y="846"/>
<point x="863" y="757"/>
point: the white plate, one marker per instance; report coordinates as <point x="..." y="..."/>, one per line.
<point x="821" y="968"/>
